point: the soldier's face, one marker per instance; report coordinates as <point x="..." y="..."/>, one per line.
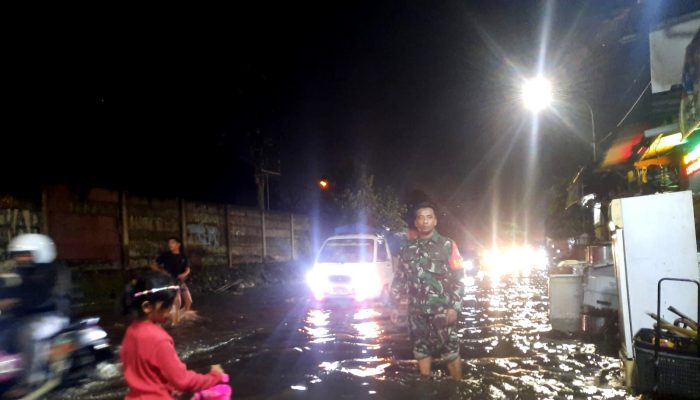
<point x="425" y="221"/>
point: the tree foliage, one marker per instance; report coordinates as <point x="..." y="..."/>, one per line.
<point x="362" y="202"/>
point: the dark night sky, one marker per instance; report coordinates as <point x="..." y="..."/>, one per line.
<point x="421" y="93"/>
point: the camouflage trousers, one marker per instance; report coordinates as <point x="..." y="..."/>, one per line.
<point x="432" y="340"/>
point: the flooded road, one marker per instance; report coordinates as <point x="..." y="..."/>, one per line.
<point x="277" y="344"/>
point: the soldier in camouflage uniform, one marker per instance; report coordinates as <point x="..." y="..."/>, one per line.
<point x="430" y="275"/>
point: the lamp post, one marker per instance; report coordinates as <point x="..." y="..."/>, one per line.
<point x="593" y="143"/>
<point x="537" y="96"/>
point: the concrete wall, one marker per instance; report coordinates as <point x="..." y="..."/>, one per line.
<point x="205" y="233"/>
<point x="85" y="227"/>
<point x="149" y="224"/>
<point x="245" y="235"/>
<point x="16" y="218"/>
<point x="113" y="229"/>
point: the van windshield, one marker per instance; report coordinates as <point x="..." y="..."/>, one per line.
<point x="347" y="251"/>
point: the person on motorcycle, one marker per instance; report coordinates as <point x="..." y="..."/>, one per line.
<point x="31" y="307"/>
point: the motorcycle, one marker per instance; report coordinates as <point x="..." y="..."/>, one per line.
<point x="72" y="351"/>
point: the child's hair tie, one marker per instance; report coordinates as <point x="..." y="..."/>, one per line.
<point x="145" y="292"/>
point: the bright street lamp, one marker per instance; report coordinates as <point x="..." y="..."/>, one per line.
<point x="537" y="94"/>
<point x="324" y="184"/>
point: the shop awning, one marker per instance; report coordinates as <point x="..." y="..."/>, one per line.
<point x="661" y="145"/>
<point x="622" y="150"/>
<point x="663" y="160"/>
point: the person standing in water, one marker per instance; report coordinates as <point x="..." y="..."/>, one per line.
<point x="175" y="262"/>
<point x="429" y="274"/>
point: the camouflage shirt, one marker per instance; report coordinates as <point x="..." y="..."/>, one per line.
<point x="428" y="276"/>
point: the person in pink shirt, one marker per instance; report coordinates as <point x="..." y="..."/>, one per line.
<point x="152" y="368"/>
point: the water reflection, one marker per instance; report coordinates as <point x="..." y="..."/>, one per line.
<point x="328" y="366"/>
<point x="372" y="367"/>
<point x="509" y="348"/>
<point x="320" y="351"/>
<point x="366" y="313"/>
<point x="316" y="323"/>
<point x="367" y="330"/>
<point x="318" y="318"/>
<point x="506" y="345"/>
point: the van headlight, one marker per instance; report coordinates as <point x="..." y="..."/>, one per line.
<point x="367" y="285"/>
<point x="318" y="283"/>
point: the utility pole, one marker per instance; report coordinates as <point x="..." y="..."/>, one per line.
<point x="264" y="169"/>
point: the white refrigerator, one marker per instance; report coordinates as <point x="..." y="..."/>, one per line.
<point x="653" y="238"/>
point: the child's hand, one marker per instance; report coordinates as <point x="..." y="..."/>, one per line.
<point x="217" y="368"/>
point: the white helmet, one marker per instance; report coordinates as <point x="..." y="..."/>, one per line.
<point x="41" y="247"/>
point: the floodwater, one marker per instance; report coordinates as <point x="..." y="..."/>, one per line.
<point x="277" y="344"/>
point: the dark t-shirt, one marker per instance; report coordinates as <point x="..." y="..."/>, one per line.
<point x="36" y="293"/>
<point x="175" y="264"/>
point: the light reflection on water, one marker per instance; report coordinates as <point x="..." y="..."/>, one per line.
<point x="322" y="351"/>
<point x="507" y="342"/>
<point x="367" y="330"/>
<point x="507" y="346"/>
<point x="366" y="313"/>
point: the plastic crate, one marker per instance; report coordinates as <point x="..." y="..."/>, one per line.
<point x="665" y="371"/>
<point x="679" y="372"/>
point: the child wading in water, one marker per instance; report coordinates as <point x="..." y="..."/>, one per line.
<point x="152" y="368"/>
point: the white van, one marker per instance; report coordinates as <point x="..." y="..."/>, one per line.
<point x="356" y="266"/>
